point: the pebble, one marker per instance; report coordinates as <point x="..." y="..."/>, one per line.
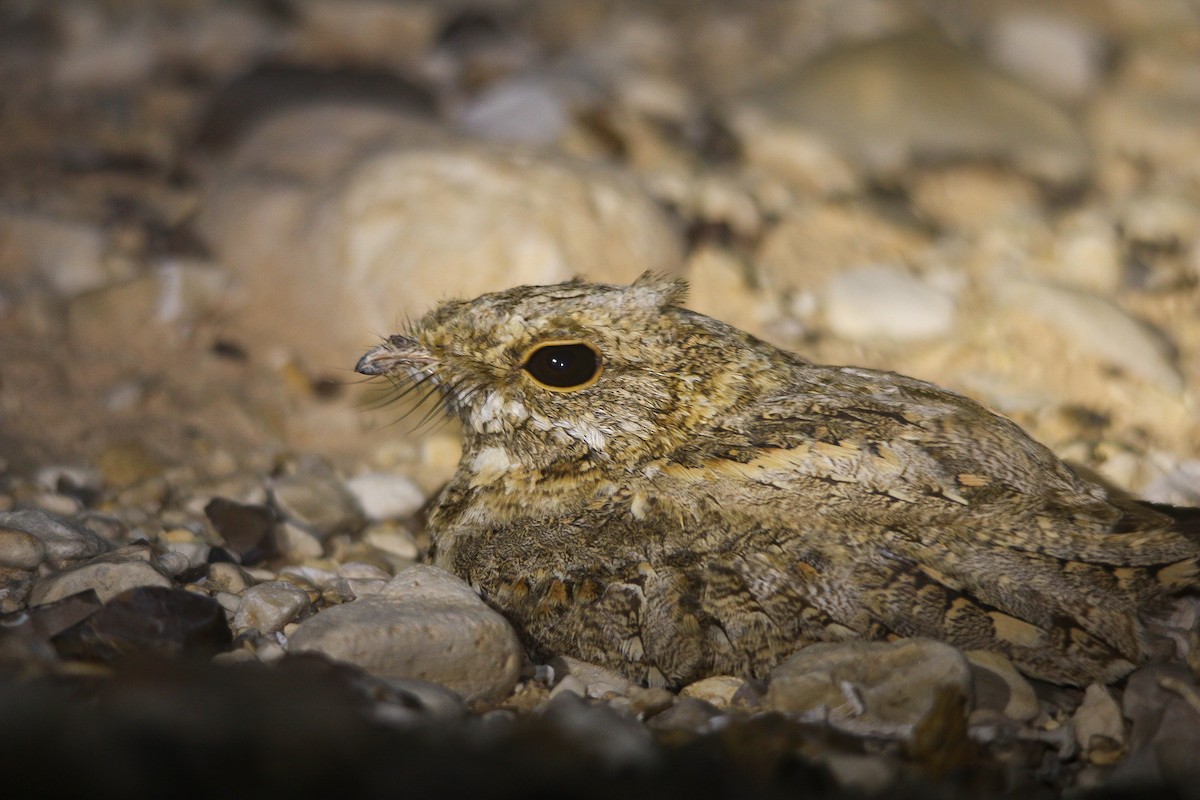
<point x="588" y="680"/>
<point x="813" y="244"/>
<point x="65" y="541"/>
<point x="718" y="690"/>
<point x="915" y="97"/>
<point x="165" y="622"/>
<point x="523" y="110"/>
<point x="107" y="575"/>
<point x="1180" y="486"/>
<point x="1099" y="727"/>
<point x="69" y="254"/>
<point x="20" y="550"/>
<point x="318" y="502"/>
<point x="427" y="624"/>
<point x="1094" y="325"/>
<point x="268" y="606"/>
<point x="880" y="687"/>
<point x="1059" y="54"/>
<point x="384" y="495"/>
<point x="883" y="302"/>
<point x="294" y="541"/>
<point x="1000" y="687"/>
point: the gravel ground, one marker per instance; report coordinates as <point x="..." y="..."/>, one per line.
<point x="211" y="531"/>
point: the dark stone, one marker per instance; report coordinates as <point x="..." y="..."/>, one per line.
<point x="148" y="621"/>
<point x="248" y="530"/>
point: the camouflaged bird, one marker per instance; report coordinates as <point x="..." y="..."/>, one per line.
<point x="650" y="489"/>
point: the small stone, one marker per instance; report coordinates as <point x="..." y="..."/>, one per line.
<point x="148" y="620"/>
<point x="357" y="570"/>
<point x="269" y="606"/>
<point x="384" y="496"/>
<point x="1094" y="325"/>
<point x="20" y="550"/>
<point x="174" y="563"/>
<point x="719" y="690"/>
<point x="226" y="577"/>
<point x="1099" y="726"/>
<point x="999" y="686"/>
<point x="520" y="110"/>
<point x="688" y="714"/>
<point x="869" y="686"/>
<point x="569" y="684"/>
<point x="107" y="575"/>
<point x="882" y="302"/>
<point x="429" y="625"/>
<point x="597" y="681"/>
<point x="248" y="529"/>
<point x="917" y="97"/>
<point x="65" y="541"/>
<point x="60" y="504"/>
<point x="1180" y="486"/>
<point x="972" y="197"/>
<point x="68" y="254"/>
<point x="1057" y="53"/>
<point x="296" y="542"/>
<point x="318" y="502"/>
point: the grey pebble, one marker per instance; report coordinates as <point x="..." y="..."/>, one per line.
<point x="426" y="624"/>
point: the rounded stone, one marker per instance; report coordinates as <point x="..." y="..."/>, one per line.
<point x="881" y="302"/>
<point x="269" y="606"/>
<point x="20" y="550"/>
<point x="108" y="576"/>
<point x="878" y="685"/>
<point x="427" y="624"/>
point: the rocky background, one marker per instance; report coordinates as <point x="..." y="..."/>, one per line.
<point x="209" y="210"/>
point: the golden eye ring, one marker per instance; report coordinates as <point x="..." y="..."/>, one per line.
<point x="563" y="365"/>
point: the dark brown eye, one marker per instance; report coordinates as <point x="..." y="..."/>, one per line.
<point x="563" y="366"/>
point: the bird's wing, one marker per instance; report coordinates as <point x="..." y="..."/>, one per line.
<point x="944" y="498"/>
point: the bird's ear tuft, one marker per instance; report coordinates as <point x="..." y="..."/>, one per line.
<point x="664" y="289"/>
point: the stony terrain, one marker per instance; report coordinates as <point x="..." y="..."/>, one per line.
<point x="208" y="210"/>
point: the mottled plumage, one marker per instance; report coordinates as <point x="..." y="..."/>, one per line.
<point x="707" y="503"/>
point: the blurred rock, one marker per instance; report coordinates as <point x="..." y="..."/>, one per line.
<point x="913" y="98"/>
<point x="1056" y="53"/>
<point x="814" y="243"/>
<point x="107" y="575"/>
<point x="387" y="217"/>
<point x="884" y="688"/>
<point x="1180" y="486"/>
<point x="65" y="541"/>
<point x="20" y="550"/>
<point x="144" y="621"/>
<point x="318" y="501"/>
<point x="1000" y="687"/>
<point x="383" y="495"/>
<point x="594" y="680"/>
<point x="1099" y="728"/>
<point x="268" y="606"/>
<point x="970" y="197"/>
<point x="1162" y="704"/>
<point x="883" y="302"/>
<point x="427" y="624"/>
<point x="522" y="110"/>
<point x="719" y="690"/>
<point x="68" y="254"/>
<point x="153" y="310"/>
<point x="248" y="529"/>
<point x="1093" y="325"/>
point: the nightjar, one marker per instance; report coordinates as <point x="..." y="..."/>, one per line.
<point x="647" y="488"/>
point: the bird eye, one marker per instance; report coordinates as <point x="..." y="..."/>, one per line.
<point x="563" y="366"/>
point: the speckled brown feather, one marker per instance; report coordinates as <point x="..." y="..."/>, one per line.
<point x="712" y="503"/>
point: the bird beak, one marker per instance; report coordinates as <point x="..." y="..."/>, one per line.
<point x="396" y="353"/>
